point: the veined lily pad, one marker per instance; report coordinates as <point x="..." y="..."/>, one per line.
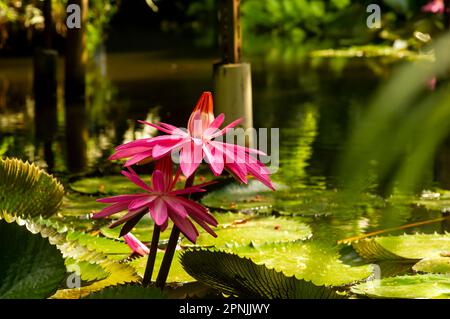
<point x="439" y="200"/>
<point x="86" y="270"/>
<point x="419" y="286"/>
<point x="176" y="273"/>
<point x="79" y="205"/>
<point x="143" y="230"/>
<point x="286" y="201"/>
<point x="310" y="260"/>
<point x="241" y="277"/>
<point x="114" y="249"/>
<point x="127" y="292"/>
<point x="240" y="229"/>
<point x="106" y="185"/>
<point x="439" y="265"/>
<point x="254" y="196"/>
<point x="412" y="247"/>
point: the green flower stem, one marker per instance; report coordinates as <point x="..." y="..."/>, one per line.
<point x="151" y="256"/>
<point x="171" y="247"/>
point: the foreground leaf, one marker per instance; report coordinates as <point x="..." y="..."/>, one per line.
<point x="405" y="247"/>
<point x="127" y="292"/>
<point x="241" y="277"/>
<point x="440" y="265"/>
<point x="418" y="286"/>
<point x="31" y="267"/>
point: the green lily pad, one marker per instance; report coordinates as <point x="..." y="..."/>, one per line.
<point x="301" y="201"/>
<point x="106" y="185"/>
<point x="176" y="273"/>
<point x="240" y="229"/>
<point x="114" y="249"/>
<point x="143" y="231"/>
<point x="439" y="200"/>
<point x="86" y="270"/>
<point x="314" y="261"/>
<point x="240" y="277"/>
<point x="127" y="292"/>
<point x="427" y="286"/>
<point x="235" y="197"/>
<point x="79" y="205"/>
<point x="439" y="265"/>
<point x="407" y="247"/>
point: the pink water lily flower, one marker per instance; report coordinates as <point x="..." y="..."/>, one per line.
<point x="136" y="245"/>
<point x="435" y="6"/>
<point x="162" y="201"/>
<point x="200" y="142"/>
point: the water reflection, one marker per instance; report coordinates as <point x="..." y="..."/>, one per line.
<point x="313" y="102"/>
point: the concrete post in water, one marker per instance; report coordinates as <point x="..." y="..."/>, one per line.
<point x="232" y="78"/>
<point x="76" y="53"/>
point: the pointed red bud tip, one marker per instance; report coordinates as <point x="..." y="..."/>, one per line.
<point x="203" y="112"/>
<point x="205" y="104"/>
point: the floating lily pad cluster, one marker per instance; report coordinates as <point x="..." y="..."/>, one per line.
<point x="426" y="255"/>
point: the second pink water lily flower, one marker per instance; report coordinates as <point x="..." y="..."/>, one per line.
<point x="435" y="6"/>
<point x="162" y="201"/>
<point x="200" y="142"/>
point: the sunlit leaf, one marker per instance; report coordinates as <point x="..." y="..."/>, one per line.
<point x="240" y="229"/>
<point x="438" y="265"/>
<point x="418" y="286"/>
<point x="19" y="181"/>
<point x="241" y="277"/>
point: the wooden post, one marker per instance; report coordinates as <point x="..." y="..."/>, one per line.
<point x="48" y="18"/>
<point x="45" y="64"/>
<point x="232" y="78"/>
<point x="76" y="56"/>
<point x="230" y="30"/>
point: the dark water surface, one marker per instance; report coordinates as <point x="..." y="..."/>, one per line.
<point x="313" y="102"/>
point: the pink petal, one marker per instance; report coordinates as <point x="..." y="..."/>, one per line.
<point x="186" y="227"/>
<point x="160" y="128"/>
<point x="176" y="206"/>
<point x="135" y="144"/>
<point x="129" y="152"/>
<point x="238" y="170"/>
<point x="120" y="198"/>
<point x="136" y="245"/>
<point x="174" y="129"/>
<point x="139" y="157"/>
<point x="226" y="128"/>
<point x="190" y="159"/>
<point x="141" y="202"/>
<point x="163" y="149"/>
<point x="130" y="215"/>
<point x="214" y="126"/>
<point x="110" y="210"/>
<point x="195" y="209"/>
<point x="215" y="158"/>
<point x="159" y="212"/>
<point x="202" y="116"/>
<point x="158" y="181"/>
<point x="136" y="180"/>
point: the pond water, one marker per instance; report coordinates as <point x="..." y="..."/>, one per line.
<point x="312" y="101"/>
